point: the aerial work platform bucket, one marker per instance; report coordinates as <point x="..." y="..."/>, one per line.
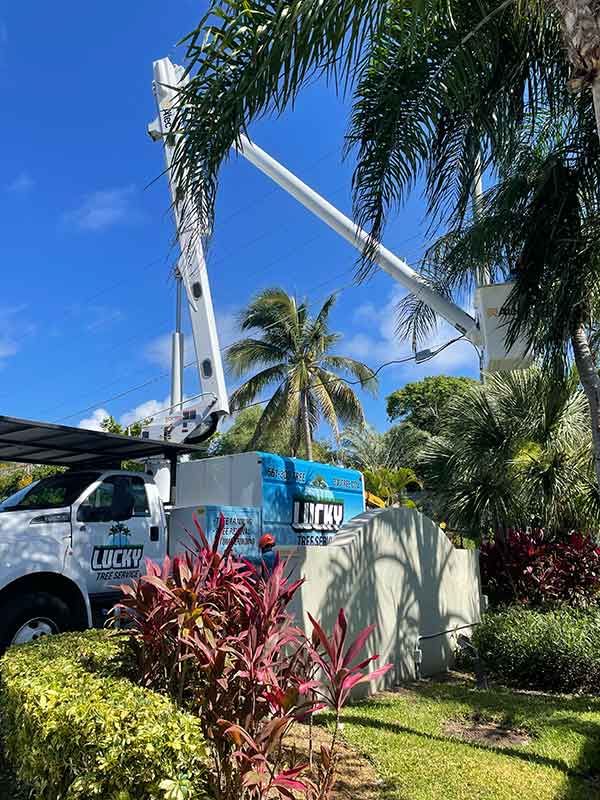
<point x="489" y="301"/>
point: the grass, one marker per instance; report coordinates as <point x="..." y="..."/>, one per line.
<point x="403" y="734"/>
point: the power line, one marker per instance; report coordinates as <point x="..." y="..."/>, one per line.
<point x="164" y="375"/>
<point x="373" y="375"/>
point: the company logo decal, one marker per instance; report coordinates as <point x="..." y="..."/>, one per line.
<point x="119" y="533"/>
<point x="317" y="515"/>
<point x="112" y="556"/>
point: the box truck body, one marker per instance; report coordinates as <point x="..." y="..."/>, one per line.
<point x="302" y="503"/>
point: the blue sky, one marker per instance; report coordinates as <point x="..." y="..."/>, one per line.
<point x="86" y="250"/>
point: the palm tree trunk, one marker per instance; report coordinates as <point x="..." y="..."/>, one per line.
<point x="581" y="34"/>
<point x="306" y="425"/>
<point x="590" y="380"/>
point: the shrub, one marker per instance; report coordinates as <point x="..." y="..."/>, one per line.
<point x="528" y="566"/>
<point x="215" y="633"/>
<point x="75" y="728"/>
<point x="557" y="650"/>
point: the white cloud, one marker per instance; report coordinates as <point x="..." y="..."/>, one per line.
<point x="8" y="348"/>
<point x="104" y="209"/>
<point x="375" y="342"/>
<point x="93" y="423"/>
<point x="101" y="317"/>
<point x="146" y="410"/>
<point x="228" y="328"/>
<point x="14" y="330"/>
<point x="21" y="184"/>
<point x="158" y="351"/>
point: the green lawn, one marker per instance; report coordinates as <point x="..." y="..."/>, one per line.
<point x="404" y="735"/>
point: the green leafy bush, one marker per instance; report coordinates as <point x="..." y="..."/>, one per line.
<point x="75" y="727"/>
<point x="557" y="650"/>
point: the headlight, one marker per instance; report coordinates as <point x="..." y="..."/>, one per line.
<point x="45" y="519"/>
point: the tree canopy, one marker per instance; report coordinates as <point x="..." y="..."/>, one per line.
<point x="294" y="353"/>
<point x="424" y="403"/>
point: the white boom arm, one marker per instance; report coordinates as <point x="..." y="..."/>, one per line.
<point x="390" y="263"/>
<point x="169" y="77"/>
<point x="192" y="265"/>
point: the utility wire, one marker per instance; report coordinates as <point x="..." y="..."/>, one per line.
<point x="185" y="366"/>
<point x="335" y="380"/>
<point x="373" y="375"/>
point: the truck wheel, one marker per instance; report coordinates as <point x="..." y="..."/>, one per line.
<point x="25" y="618"/>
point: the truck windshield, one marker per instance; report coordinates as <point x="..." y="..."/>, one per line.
<point x="57" y="491"/>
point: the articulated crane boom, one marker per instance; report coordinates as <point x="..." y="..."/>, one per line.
<point x="168" y="80"/>
<point x="194" y="424"/>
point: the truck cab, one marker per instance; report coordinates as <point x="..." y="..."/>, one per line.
<point x="67" y="542"/>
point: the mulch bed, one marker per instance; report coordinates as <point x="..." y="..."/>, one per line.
<point x="357" y="779"/>
<point x="481" y="731"/>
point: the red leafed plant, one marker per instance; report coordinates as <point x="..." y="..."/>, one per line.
<point x="536" y="569"/>
<point x="215" y="633"/>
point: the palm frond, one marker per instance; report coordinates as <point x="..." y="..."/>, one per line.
<point x="248" y="353"/>
<point x="252" y="388"/>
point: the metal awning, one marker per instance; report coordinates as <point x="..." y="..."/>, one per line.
<point x="30" y="442"/>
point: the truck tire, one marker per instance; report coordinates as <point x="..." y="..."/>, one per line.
<point x="27" y="617"/>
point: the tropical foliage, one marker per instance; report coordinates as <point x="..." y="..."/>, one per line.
<point x="365" y="448"/>
<point x="241" y="438"/>
<point x="534" y="568"/>
<point x="441" y="90"/>
<point x="294" y="351"/>
<point x="515" y="450"/>
<point x="392" y="485"/>
<point x="15" y="477"/>
<point x="216" y="634"/>
<point x="424" y="403"/>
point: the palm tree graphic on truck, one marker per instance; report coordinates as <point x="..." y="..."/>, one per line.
<point x="119" y="533"/>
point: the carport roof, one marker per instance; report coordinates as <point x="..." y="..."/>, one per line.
<point x="29" y="442"/>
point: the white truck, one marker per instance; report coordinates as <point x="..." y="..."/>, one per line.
<point x="68" y="541"/>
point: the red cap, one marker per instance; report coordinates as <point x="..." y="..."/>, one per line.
<point x="267" y="540"/>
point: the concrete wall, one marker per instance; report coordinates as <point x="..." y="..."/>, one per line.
<point x="397" y="569"/>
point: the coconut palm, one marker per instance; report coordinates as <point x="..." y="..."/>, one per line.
<point x="581" y="33"/>
<point x="294" y="351"/>
<point x="515" y="449"/>
<point x="438" y="86"/>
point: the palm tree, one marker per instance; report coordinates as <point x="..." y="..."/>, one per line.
<point x="441" y="89"/>
<point x="540" y="225"/>
<point x="293" y="350"/>
<point x="581" y="33"/>
<point x="366" y="449"/>
<point x="515" y="449"/>
<point x="392" y="485"/>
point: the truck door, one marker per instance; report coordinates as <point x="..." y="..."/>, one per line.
<point x="114" y="530"/>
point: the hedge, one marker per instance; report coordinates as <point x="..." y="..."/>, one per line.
<point x="557" y="650"/>
<point x="75" y="727"/>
